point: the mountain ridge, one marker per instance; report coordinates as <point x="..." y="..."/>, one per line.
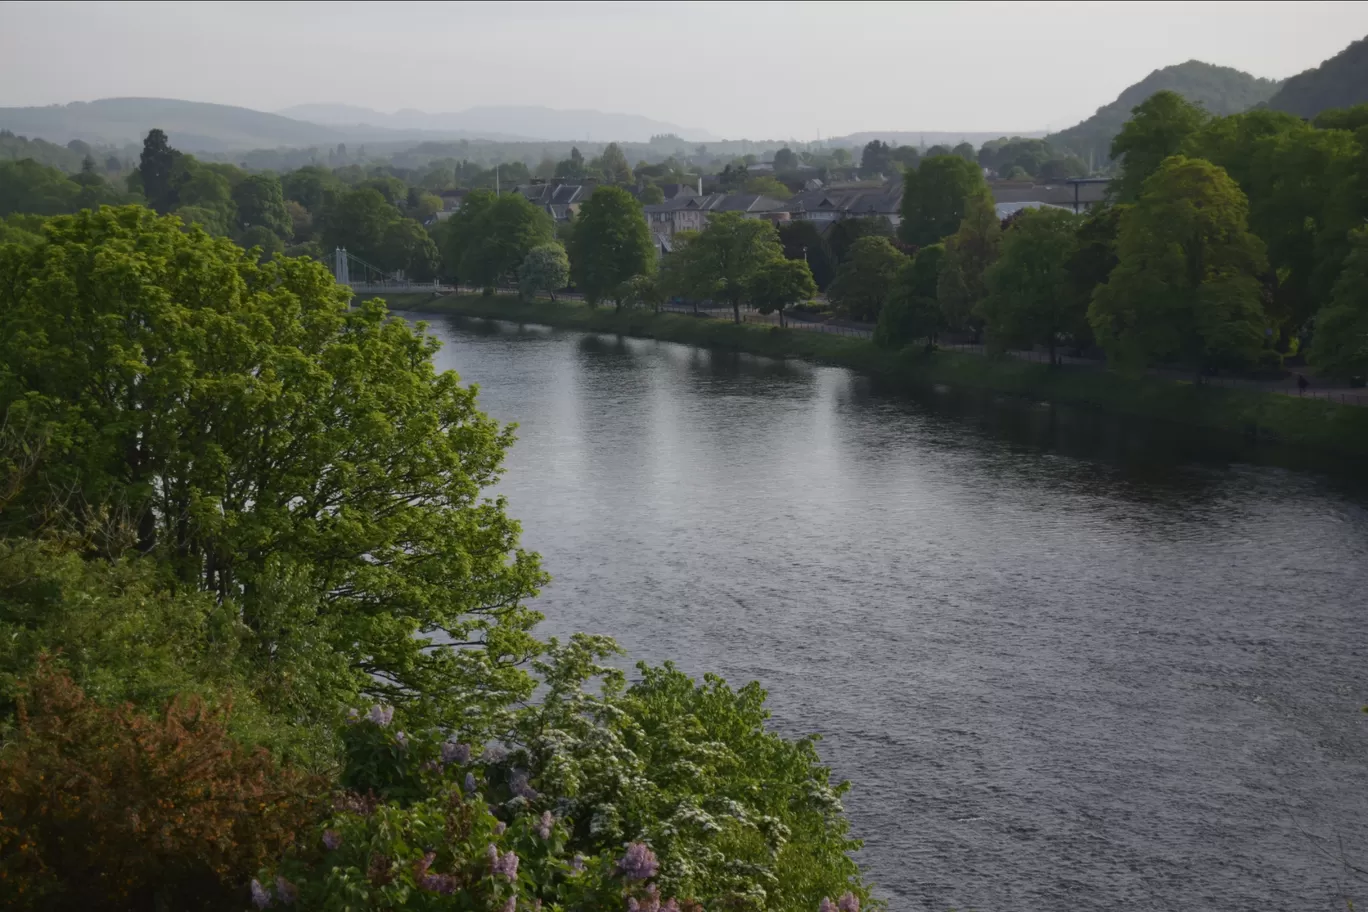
<point x="1340" y="81"/>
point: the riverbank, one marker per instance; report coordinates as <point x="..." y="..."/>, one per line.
<point x="1263" y="416"/>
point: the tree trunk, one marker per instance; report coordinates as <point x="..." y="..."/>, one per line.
<point x="781" y="318"/>
<point x="736" y="311"/>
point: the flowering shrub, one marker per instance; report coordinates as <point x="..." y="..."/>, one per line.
<point x="108" y="808"/>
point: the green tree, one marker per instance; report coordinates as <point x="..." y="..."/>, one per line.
<point x="781" y="284"/>
<point x="801" y="239"/>
<point x="721" y="260"/>
<point x="1030" y="293"/>
<point x="614" y="165"/>
<point x="652" y="195"/>
<point x="1340" y="344"/>
<point x="935" y="197"/>
<point x="545" y="268"/>
<point x="864" y="280"/>
<point x="841" y="237"/>
<point x="643" y="291"/>
<point x="785" y="160"/>
<point x="571" y="168"/>
<point x="334" y="501"/>
<point x="261" y="202"/>
<point x="611" y="243"/>
<point x="500" y="235"/>
<point x="1159" y="127"/>
<point x="906" y="156"/>
<point x="310" y="187"/>
<point x="301" y="222"/>
<point x="407" y="247"/>
<point x="262" y="238"/>
<point x="912" y="311"/>
<point x="968" y="255"/>
<point x="357" y="220"/>
<point x="155" y="165"/>
<point x="766" y="185"/>
<point x="876" y="159"/>
<point x="965" y="151"/>
<point x="1186" y="286"/>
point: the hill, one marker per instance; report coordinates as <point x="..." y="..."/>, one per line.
<point x="190" y="125"/>
<point x="1218" y="89"/>
<point x="928" y="138"/>
<point x="1340" y="82"/>
<point x="504" y="122"/>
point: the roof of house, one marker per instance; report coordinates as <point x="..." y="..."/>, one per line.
<point x="720" y="202"/>
<point x="882" y="200"/>
<point x="673" y="190"/>
<point x="552" y="194"/>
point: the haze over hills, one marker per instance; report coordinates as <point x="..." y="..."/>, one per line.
<point x="1220" y="90"/>
<point x="928" y="137"/>
<point x="506" y="122"/>
<point x="1340" y="82"/>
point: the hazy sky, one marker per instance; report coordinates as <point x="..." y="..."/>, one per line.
<point x="753" y="70"/>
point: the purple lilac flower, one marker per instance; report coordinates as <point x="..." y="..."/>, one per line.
<point x="577" y="863"/>
<point x="470" y="785"/>
<point x="332" y="839"/>
<point x="401" y="738"/>
<point x="453" y="752"/>
<point x="494" y="753"/>
<point x="639" y="863"/>
<point x="511" y="905"/>
<point x="261" y="898"/>
<point x="500" y="828"/>
<point x="670" y="906"/>
<point x="827" y="905"/>
<point x="353" y="716"/>
<point x="651" y="902"/>
<point x="287" y="891"/>
<point x="521" y="787"/>
<point x="508" y="866"/>
<point x="848" y="903"/>
<point x="380" y="715"/>
<point x="434" y="883"/>
<point x="544" y="828"/>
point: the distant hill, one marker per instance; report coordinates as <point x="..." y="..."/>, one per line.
<point x="1339" y="82"/>
<point x="1220" y="90"/>
<point x="504" y="122"/>
<point x="930" y="138"/>
<point x="190" y="125"/>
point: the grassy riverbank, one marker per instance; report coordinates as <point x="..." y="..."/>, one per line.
<point x="1266" y="416"/>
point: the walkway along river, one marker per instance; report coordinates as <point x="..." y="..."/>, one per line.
<point x="1069" y="663"/>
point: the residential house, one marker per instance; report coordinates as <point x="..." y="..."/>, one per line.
<point x="558" y="199"/>
<point x="451" y="202"/>
<point x="826" y="205"/>
<point x="690" y="213"/>
<point x="1075" y="195"/>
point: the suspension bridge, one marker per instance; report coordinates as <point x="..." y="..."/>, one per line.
<point x="362" y="277"/>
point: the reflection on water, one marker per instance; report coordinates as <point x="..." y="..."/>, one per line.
<point x="1069" y="661"/>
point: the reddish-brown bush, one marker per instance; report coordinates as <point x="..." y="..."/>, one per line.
<point x="106" y="808"/>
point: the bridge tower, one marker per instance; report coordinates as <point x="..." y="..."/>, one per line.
<point x="340" y="270"/>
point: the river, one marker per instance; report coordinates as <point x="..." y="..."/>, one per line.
<point x="1069" y="662"/>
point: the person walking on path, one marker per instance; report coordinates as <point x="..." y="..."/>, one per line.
<point x="1302" y="384"/>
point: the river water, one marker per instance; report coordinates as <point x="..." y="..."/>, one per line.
<point x="1068" y="662"/>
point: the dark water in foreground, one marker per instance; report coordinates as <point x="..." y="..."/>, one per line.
<point x="1069" y="663"/>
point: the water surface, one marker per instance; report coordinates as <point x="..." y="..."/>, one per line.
<point x="1069" y="662"/>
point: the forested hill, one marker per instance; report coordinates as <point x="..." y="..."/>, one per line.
<point x="1218" y="89"/>
<point x="1340" y="82"/>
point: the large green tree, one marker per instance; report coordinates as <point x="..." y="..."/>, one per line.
<point x="968" y="255"/>
<point x="357" y="220"/>
<point x="1186" y="286"/>
<point x="780" y="284"/>
<point x="912" y="311"/>
<point x="802" y="240"/>
<point x="1159" y="127"/>
<point x="407" y="247"/>
<point x="864" y="280"/>
<point x="720" y="261"/>
<point x="261" y="202"/>
<point x="545" y="268"/>
<point x="1031" y="297"/>
<point x="498" y="236"/>
<point x="299" y="460"/>
<point x="611" y="243"/>
<point x="155" y="165"/>
<point x="1340" y="344"/>
<point x="935" y="197"/>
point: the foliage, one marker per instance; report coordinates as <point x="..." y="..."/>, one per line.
<point x="801" y="239"/>
<point x="785" y="160"/>
<point x="652" y="195"/>
<point x="642" y="291"/>
<point x="1340" y="347"/>
<point x="781" y="284"/>
<point x="30" y="188"/>
<point x="721" y="260"/>
<point x="356" y="221"/>
<point x="497" y="234"/>
<point x="1186" y="284"/>
<point x="864" y="280"/>
<point x="155" y="167"/>
<point x="613" y="165"/>
<point x="935" y="197"/>
<point x="261" y="203"/>
<point x="912" y="311"/>
<point x="406" y="246"/>
<point x="969" y="253"/>
<point x="335" y="498"/>
<point x="611" y="243"/>
<point x="106" y="807"/>
<point x="261" y="238"/>
<point x="1159" y="128"/>
<point x="310" y="186"/>
<point x="545" y="269"/>
<point x="876" y="159"/>
<point x="765" y="185"/>
<point x="1030" y="295"/>
<point x="842" y="236"/>
<point x="1340" y="82"/>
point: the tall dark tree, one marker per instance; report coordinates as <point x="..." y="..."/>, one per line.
<point x="876" y="160"/>
<point x="261" y="203"/>
<point x="802" y="240"/>
<point x="912" y="311"/>
<point x="155" y="167"/>
<point x="846" y="232"/>
<point x="935" y="196"/>
<point x="785" y="160"/>
<point x="611" y="243"/>
<point x="1159" y="127"/>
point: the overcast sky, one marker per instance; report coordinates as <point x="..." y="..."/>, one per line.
<point x="738" y="69"/>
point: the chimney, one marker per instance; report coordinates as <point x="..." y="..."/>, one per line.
<point x="700" y="185"/>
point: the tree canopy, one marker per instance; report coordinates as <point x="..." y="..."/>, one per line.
<point x="1159" y="127"/>
<point x="1031" y="297"/>
<point x="935" y="196"/>
<point x="863" y="281"/>
<point x="611" y="243"/>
